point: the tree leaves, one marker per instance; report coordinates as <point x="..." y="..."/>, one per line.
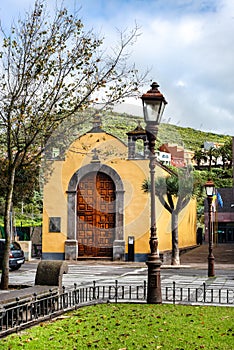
<point x="51" y="68"/>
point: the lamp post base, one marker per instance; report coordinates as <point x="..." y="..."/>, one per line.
<point x="211" y="272"/>
<point x="154" y="293"/>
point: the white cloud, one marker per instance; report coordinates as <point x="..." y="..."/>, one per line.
<point x="188" y="44"/>
<point x="189" y="31"/>
<point x="181" y="83"/>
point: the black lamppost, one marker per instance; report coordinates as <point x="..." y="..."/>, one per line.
<point x="153" y="107"/>
<point x="210" y="191"/>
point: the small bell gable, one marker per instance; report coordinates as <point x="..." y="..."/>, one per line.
<point x="133" y="136"/>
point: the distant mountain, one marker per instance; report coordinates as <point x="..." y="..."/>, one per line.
<point x="128" y="108"/>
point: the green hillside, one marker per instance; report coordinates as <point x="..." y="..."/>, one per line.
<point x="120" y="124"/>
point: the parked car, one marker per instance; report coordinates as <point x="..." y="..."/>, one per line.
<point x="16" y="255"/>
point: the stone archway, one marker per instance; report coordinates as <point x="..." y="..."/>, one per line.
<point x="71" y="244"/>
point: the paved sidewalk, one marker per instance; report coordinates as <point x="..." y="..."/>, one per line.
<point x="191" y="273"/>
<point x="223" y="253"/>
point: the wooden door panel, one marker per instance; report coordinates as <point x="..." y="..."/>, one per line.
<point x="96" y="215"/>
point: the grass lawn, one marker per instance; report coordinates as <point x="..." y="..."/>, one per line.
<point x="130" y="327"/>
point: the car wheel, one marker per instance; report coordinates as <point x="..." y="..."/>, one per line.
<point x="13" y="268"/>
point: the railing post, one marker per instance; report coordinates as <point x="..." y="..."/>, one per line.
<point x="116" y="291"/>
<point x="181" y="293"/>
<point x="174" y="292"/>
<point x="2" y="313"/>
<point x="35" y="306"/>
<point x="145" y="288"/>
<point x="17" y="312"/>
<point x="74" y="294"/>
<point x="220" y="296"/>
<point x="94" y="290"/>
<point x="123" y="292"/>
<point x="204" y="292"/>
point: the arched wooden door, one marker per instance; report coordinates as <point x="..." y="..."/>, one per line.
<point x="95" y="215"/>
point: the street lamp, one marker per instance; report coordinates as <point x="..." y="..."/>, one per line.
<point x="153" y="106"/>
<point x="210" y="191"/>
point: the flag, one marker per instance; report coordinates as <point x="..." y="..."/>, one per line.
<point x="214" y="197"/>
<point x="219" y="200"/>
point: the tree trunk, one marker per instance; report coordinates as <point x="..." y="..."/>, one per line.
<point x="175" y="254"/>
<point x="7" y="229"/>
<point x="198" y="164"/>
<point x="210" y="163"/>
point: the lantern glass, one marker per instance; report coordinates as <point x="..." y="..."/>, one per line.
<point x="210" y="188"/>
<point x="153" y="111"/>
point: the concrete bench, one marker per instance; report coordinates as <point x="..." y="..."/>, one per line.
<point x="50" y="273"/>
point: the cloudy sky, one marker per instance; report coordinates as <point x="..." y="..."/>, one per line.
<point x="188" y="44"/>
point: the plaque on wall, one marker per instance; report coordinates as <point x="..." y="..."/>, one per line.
<point x="54" y="224"/>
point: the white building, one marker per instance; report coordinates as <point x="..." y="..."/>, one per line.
<point x="163" y="157"/>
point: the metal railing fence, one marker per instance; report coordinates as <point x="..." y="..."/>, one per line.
<point x="202" y="295"/>
<point x="22" y="313"/>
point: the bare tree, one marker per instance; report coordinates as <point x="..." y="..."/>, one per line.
<point x="50" y="68"/>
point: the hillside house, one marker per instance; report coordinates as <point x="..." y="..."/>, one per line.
<point x="177" y="154"/>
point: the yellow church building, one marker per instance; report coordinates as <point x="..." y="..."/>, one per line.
<point x="94" y="205"/>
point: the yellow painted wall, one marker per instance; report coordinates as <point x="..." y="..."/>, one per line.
<point x="54" y="205"/>
<point x="113" y="153"/>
